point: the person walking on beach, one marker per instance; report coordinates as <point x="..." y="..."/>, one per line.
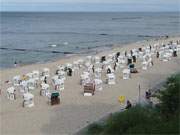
<point x="15" y="64"/>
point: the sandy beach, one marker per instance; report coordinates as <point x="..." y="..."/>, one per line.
<point x="75" y="110"/>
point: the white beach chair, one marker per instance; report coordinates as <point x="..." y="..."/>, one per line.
<point x="84" y="78"/>
<point x="97" y="73"/>
<point x="11" y="93"/>
<point x="111" y="79"/>
<point x="23" y="87"/>
<point x="126" y="74"/>
<point x="35" y="74"/>
<point x="46" y="72"/>
<point x="45" y="89"/>
<point x="96" y="59"/>
<point x="28" y="100"/>
<point x="98" y="84"/>
<point x="16" y="80"/>
<point x="31" y="84"/>
<point x="144" y="65"/>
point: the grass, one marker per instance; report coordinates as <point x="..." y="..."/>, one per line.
<point x="145" y="120"/>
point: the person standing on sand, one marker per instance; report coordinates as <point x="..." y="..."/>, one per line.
<point x="125" y="53"/>
<point x="115" y="65"/>
<point x="15" y="64"/>
<point x="157" y="55"/>
<point x="93" y="68"/>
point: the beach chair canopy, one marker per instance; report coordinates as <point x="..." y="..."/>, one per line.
<point x="28" y="96"/>
<point x="126" y="71"/>
<point x="45" y="86"/>
<point x="11" y="90"/>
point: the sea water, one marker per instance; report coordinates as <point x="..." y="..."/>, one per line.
<point x="31" y="37"/>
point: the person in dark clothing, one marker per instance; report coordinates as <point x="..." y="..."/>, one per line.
<point x="129" y="105"/>
<point x="131" y="52"/>
<point x="108" y="71"/>
<point x="69" y="71"/>
<point x="157" y="55"/>
<point x="103" y="58"/>
<point x="15" y="64"/>
<point x="148" y="94"/>
<point x="117" y="54"/>
<point x="134" y="59"/>
<point x="93" y="68"/>
<point x="125" y="53"/>
<point x="57" y="72"/>
<point x="115" y="65"/>
<point x="45" y="79"/>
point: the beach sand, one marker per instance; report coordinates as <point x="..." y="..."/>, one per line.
<point x="76" y="111"/>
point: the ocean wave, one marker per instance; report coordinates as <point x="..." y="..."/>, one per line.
<point x="149" y="36"/>
<point x="36" y="50"/>
<point x="50" y="32"/>
<point x="126" y="18"/>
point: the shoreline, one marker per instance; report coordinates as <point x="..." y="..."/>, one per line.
<point x="103" y="49"/>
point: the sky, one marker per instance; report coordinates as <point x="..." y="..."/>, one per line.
<point x="90" y="5"/>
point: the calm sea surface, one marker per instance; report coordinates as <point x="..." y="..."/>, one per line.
<point x="28" y="37"/>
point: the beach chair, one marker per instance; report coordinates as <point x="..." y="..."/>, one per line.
<point x="97" y="73"/>
<point x="111" y="79"/>
<point x="23" y="87"/>
<point x="144" y="65"/>
<point x="61" y="75"/>
<point x="28" y="100"/>
<point x="11" y="93"/>
<point x="80" y="63"/>
<point x="84" y="78"/>
<point x="55" y="98"/>
<point x="45" y="89"/>
<point x="96" y="60"/>
<point x="46" y="72"/>
<point x="132" y="68"/>
<point x="126" y="74"/>
<point x="35" y="74"/>
<point x="59" y="84"/>
<point x="31" y="84"/>
<point x="109" y="69"/>
<point x="121" y="61"/>
<point x="56" y="82"/>
<point x="16" y="80"/>
<point x="89" y="89"/>
<point x="61" y="68"/>
<point x="89" y="59"/>
<point x="140" y="55"/>
<point x="29" y="75"/>
<point x="75" y="67"/>
<point x="98" y="84"/>
<point x="129" y="60"/>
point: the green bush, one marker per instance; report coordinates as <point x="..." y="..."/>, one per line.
<point x="169" y="97"/>
<point x="146" y="120"/>
<point x="94" y="129"/>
